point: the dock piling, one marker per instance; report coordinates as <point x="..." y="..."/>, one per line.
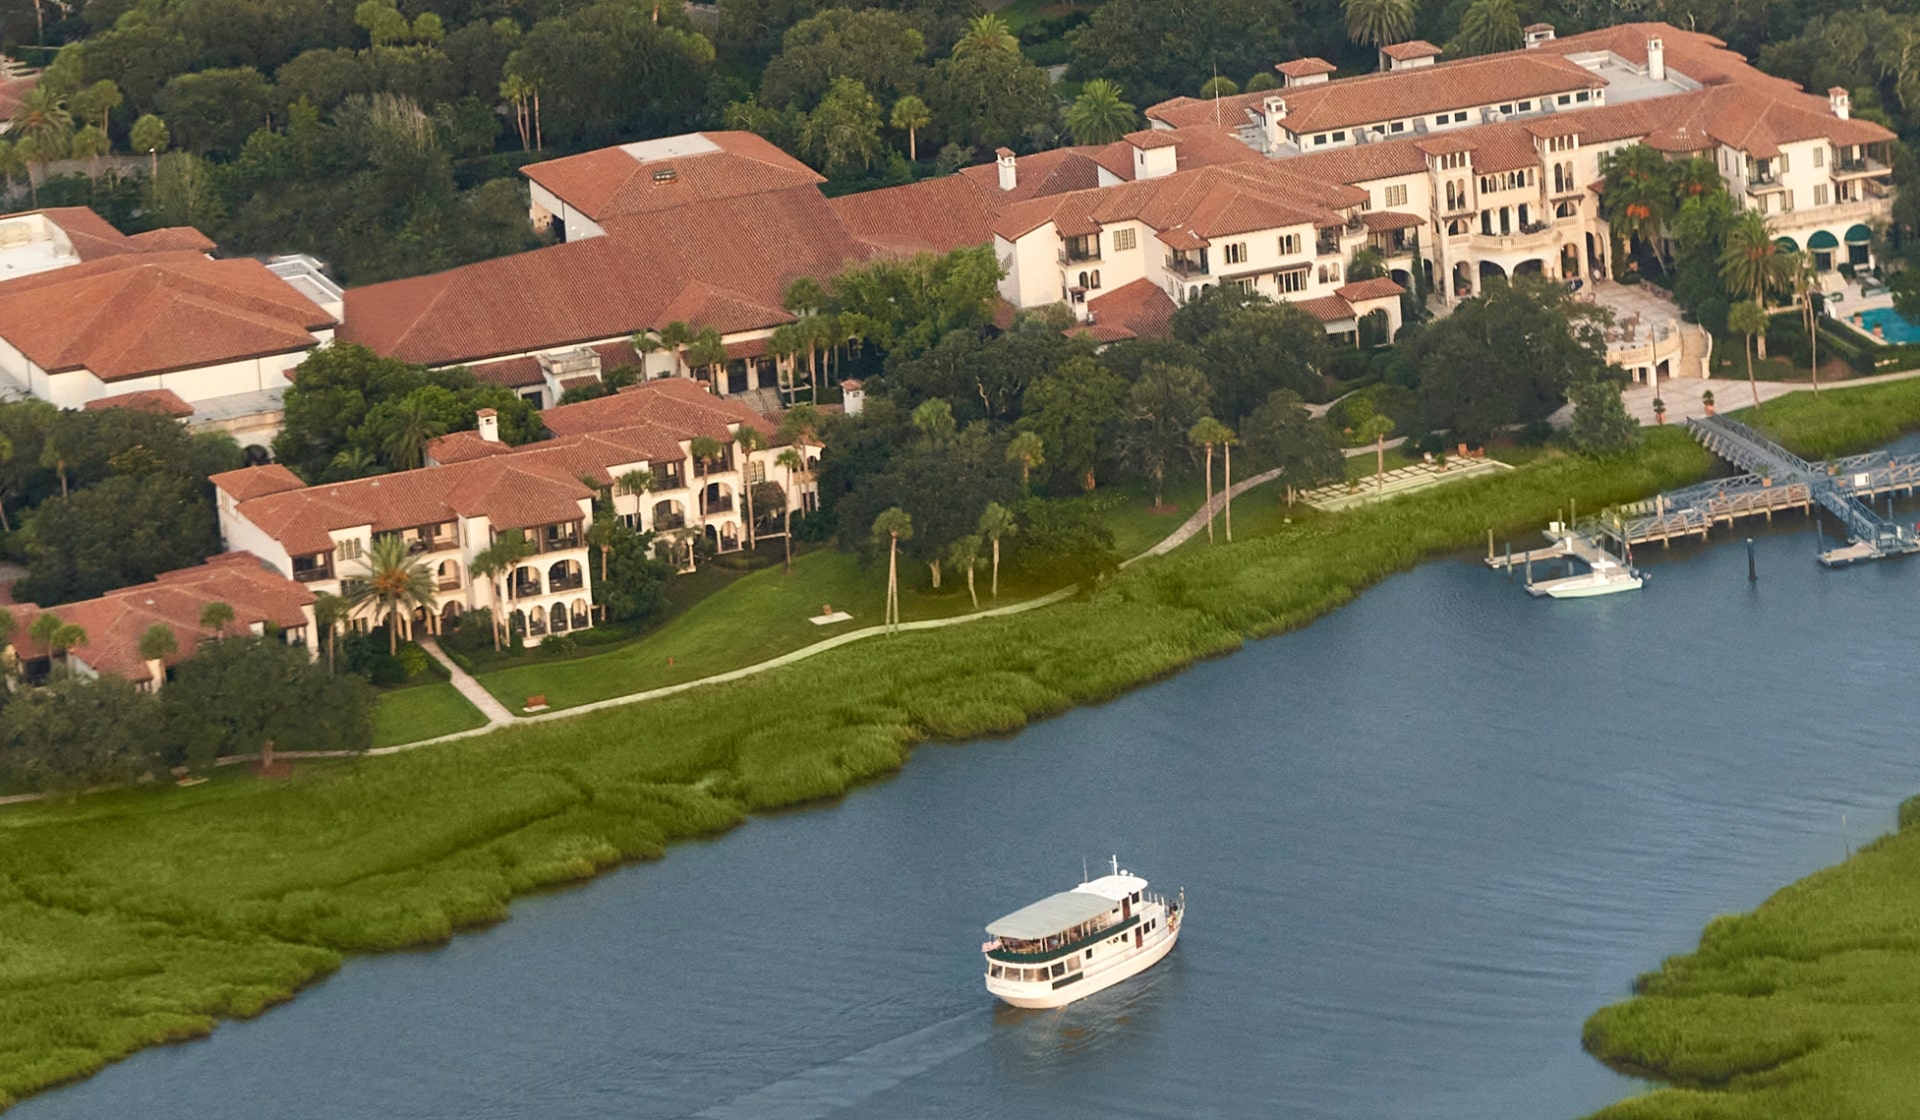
<point x="1752" y="576"/>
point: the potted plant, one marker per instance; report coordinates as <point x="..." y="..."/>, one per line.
<point x="1706" y="399"/>
<point x="1659" y="410"/>
<point x="1765" y="471"/>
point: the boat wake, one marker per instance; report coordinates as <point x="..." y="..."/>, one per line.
<point x="823" y="1090"/>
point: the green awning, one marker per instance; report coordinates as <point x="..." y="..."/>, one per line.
<point x="1859" y="235"/>
<point x="1051" y="915"/>
<point x="1787" y="244"/>
<point x="1823" y="240"/>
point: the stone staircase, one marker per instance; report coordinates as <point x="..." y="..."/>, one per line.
<point x="1696" y="346"/>
<point x="764" y="401"/>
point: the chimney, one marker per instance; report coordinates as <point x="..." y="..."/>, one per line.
<point x="1656" y="59"/>
<point x="1009" y="173"/>
<point x="1155" y="153"/>
<point x="1538" y="33"/>
<point x="1842" y="102"/>
<point x="1273" y="111"/>
<point x="489" y="425"/>
<point x="852" y="396"/>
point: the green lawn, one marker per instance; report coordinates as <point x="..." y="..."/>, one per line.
<point x="1839" y="419"/>
<point x="422" y="712"/>
<point x="752" y="618"/>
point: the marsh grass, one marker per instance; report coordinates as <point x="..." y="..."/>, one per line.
<point x="1808" y="1007"/>
<point x="132" y="918"/>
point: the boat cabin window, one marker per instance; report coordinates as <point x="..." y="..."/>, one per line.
<point x="993" y="971"/>
<point x="1060" y="969"/>
<point x="1134" y="898"/>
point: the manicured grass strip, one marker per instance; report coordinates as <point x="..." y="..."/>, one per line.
<point x="422" y="712"/>
<point x="1809" y="1007"/>
<point x="132" y="917"/>
<point x="1841" y="420"/>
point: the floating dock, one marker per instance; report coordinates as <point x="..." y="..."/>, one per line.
<point x="1606" y="573"/>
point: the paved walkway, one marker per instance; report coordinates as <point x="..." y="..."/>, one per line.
<point x="477" y="695"/>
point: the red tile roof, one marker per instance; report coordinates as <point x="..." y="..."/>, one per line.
<point x="1306" y="67"/>
<point x="1327" y="309"/>
<point x="1188" y="208"/>
<point x="94" y="237"/>
<point x="1411" y="49"/>
<point x="723" y="263"/>
<point x="675" y="404"/>
<point x="509" y="492"/>
<point x="931" y="216"/>
<point x="163" y="402"/>
<point x="1380" y="287"/>
<point x="115" y="622"/>
<point x="611" y="182"/>
<point x="255" y="482"/>
<point x="136" y="315"/>
<point x="459" y="447"/>
<point x="12" y="90"/>
<point x="1136" y="310"/>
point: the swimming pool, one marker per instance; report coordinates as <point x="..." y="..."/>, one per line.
<point x="1895" y="329"/>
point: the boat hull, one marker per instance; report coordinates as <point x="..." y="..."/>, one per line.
<point x="1584" y="587"/>
<point x="1037" y="996"/>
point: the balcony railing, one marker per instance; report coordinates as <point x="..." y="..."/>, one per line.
<point x="671" y="521"/>
<point x="447" y="583"/>
<point x="716" y="505"/>
<point x="1187" y="266"/>
<point x="312" y="573"/>
<point x="1327" y="247"/>
<point x="573" y="582"/>
<point x="1859" y="167"/>
<point x="523" y="589"/>
<point x="1071" y="255"/>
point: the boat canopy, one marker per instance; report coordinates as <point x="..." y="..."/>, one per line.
<point x="1051" y="915"/>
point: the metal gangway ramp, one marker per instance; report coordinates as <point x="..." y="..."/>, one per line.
<point x="1833" y="485"/>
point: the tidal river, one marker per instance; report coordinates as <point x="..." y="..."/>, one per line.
<point x="1421" y="841"/>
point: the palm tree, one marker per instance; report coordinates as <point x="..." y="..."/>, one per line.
<point x="150" y="135"/>
<point x="1098" y="115"/>
<point x="986" y="34"/>
<point x="216" y="616"/>
<point x="11" y="165"/>
<point x="934" y="419"/>
<point x="795" y="462"/>
<point x="90" y="143"/>
<point x="636" y="482"/>
<point x="1489" y="26"/>
<point x="895" y="525"/>
<point x="157" y="643"/>
<point x="1226" y="452"/>
<point x="329" y="611"/>
<point x="601" y="534"/>
<point x="515" y="91"/>
<point x="1750" y="319"/>
<point x="352" y="462"/>
<point x="705" y="451"/>
<point x="394" y="584"/>
<point x="1375" y="428"/>
<point x="1751" y="264"/>
<point x="414" y="426"/>
<point x="911" y="114"/>
<point x="495" y="562"/>
<point x="1206" y="434"/>
<point x="1804" y="279"/>
<point x="749" y="439"/>
<point x="65" y="639"/>
<point x="644" y="344"/>
<point x="675" y="336"/>
<point x="1028" y="450"/>
<point x="42" y="120"/>
<point x="6" y="456"/>
<point x="1378" y="23"/>
<point x="705" y="349"/>
<point x="51" y="456"/>
<point x="965" y="555"/>
<point x="996" y="521"/>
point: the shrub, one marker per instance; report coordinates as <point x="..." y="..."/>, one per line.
<point x="414" y="661"/>
<point x="470" y="633"/>
<point x="558" y="645"/>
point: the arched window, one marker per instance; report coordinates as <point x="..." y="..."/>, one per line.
<point x="526" y="581"/>
<point x="564" y="575"/>
<point x="581" y="617"/>
<point x="558" y="618"/>
<point x="447" y="575"/>
<point x="1083" y="279"/>
<point x="1096" y="279"/>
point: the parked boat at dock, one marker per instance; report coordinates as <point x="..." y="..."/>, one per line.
<point x="1078" y="942"/>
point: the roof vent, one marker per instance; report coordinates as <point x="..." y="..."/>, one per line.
<point x="665" y="175"/>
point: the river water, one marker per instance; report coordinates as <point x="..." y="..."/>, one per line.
<point x="1421" y="841"/>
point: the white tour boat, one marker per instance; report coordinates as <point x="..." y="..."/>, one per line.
<point x="1078" y="942"/>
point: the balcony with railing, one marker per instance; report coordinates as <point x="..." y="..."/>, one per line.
<point x="1328" y="243"/>
<point x="1185" y="264"/>
<point x="1078" y="249"/>
<point x="559" y="538"/>
<point x="311" y="569"/>
<point x="719" y="464"/>
<point x="710" y="505"/>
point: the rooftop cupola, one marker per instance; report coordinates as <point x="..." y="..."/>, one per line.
<point x="1841" y="101"/>
<point x="1009" y="169"/>
<point x="1155" y="153"/>
<point x="1656" y="59"/>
